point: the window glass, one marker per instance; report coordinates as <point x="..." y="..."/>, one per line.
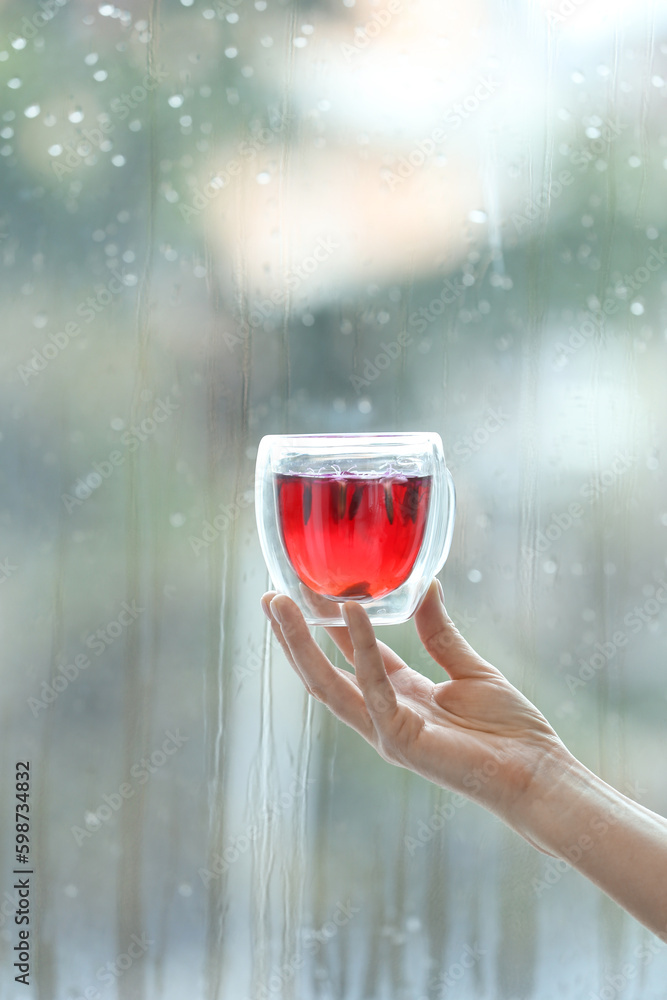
<point x="224" y="218"/>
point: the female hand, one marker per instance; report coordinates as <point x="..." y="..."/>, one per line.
<point x="474" y="733"/>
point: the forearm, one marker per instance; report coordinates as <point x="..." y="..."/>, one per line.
<point x="618" y="844"/>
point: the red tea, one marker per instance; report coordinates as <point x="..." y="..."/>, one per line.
<point x="350" y="536"/>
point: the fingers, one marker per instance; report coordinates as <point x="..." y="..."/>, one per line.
<point x="375" y="685"/>
<point x="444" y="642"/>
<point x="336" y="688"/>
<point x="275" y="628"/>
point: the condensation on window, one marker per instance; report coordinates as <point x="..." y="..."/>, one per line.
<point x="224" y="218"/>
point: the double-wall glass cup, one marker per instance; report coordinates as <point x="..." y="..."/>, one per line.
<point x="354" y="517"/>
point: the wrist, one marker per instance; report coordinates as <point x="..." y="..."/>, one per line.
<point x="544" y="810"/>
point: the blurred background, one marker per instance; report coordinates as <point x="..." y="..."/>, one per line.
<point x="216" y="220"/>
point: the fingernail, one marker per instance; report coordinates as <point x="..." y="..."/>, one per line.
<point x="275" y="611"/>
<point x="266" y="609"/>
<point x="442" y="593"/>
<point x="346" y="617"/>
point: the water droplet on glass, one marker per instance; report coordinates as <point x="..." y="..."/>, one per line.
<point x="263" y="178"/>
<point x="176" y="520"/>
<point x="32" y="111"/>
<point x="474" y="576"/>
<point x="14" y="83"/>
<point x="176" y="101"/>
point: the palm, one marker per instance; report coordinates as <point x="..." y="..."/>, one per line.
<point x="457" y="733"/>
<point x="474" y="723"/>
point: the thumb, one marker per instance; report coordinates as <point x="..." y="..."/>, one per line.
<point x="443" y="641"/>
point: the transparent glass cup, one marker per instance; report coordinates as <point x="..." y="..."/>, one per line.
<point x="354" y="517"/>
